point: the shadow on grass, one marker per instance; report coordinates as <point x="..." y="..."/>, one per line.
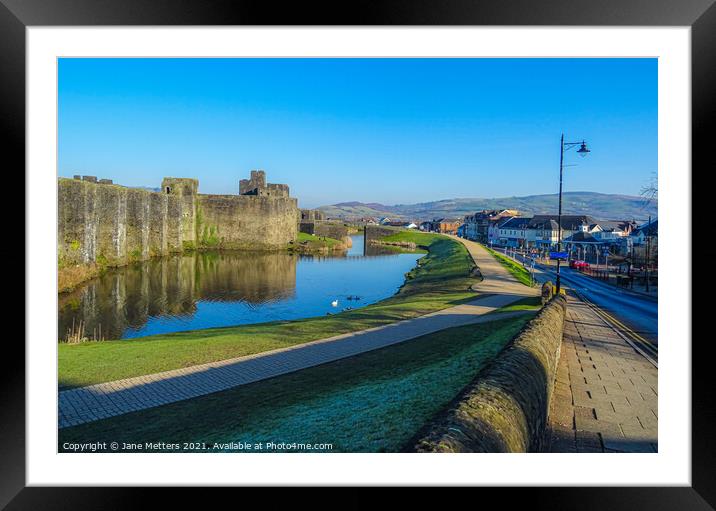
<point x="107" y="400"/>
<point x="505" y="408"/>
<point x="370" y="402"/>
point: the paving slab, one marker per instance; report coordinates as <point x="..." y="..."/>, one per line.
<point x="612" y="399"/>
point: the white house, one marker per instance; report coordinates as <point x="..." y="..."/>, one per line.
<point x="646" y="230"/>
<point x="513" y="232"/>
<point x="612" y="230"/>
<point x="543" y="230"/>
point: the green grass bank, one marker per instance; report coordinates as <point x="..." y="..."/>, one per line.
<point x="441" y="279"/>
<point x="372" y="402"/>
<point x="530" y="303"/>
<point x="310" y="243"/>
<point x="516" y="269"/>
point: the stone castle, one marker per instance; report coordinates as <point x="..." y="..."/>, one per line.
<point x="100" y="222"/>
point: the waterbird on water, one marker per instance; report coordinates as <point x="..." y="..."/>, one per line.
<point x="334" y="303"/>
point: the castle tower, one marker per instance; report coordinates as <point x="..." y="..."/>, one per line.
<point x="181" y="186"/>
<point x="255" y="185"/>
<point x="187" y="190"/>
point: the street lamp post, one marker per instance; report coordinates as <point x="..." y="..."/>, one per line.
<point x="582" y="151"/>
<point x="648" y="247"/>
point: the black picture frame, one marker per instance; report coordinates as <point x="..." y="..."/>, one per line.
<point x="700" y="15"/>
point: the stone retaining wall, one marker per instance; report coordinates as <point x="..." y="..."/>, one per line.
<point x="505" y="409"/>
<point x="375" y="232"/>
<point x="329" y="229"/>
<point x="337" y="231"/>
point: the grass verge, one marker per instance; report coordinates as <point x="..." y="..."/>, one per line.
<point x="516" y="269"/>
<point x="310" y="243"/>
<point x="69" y="277"/>
<point x="373" y="402"/>
<point x="441" y="279"/>
<point x="530" y="303"/>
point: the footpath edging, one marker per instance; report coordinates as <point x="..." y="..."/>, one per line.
<point x="506" y="407"/>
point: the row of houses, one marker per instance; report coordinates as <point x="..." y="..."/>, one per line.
<point x="582" y="235"/>
<point x="542" y="231"/>
<point x="443" y="225"/>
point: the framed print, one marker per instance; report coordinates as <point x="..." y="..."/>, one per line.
<point x="418" y="245"/>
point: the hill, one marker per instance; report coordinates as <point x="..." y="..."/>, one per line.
<point x="599" y="205"/>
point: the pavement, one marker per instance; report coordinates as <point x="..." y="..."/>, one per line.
<point x="638" y="312"/>
<point x="86" y="404"/>
<point x="496" y="278"/>
<point x="606" y="393"/>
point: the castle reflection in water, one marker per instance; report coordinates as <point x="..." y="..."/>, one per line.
<point x="172" y="286"/>
<point x="207" y="289"/>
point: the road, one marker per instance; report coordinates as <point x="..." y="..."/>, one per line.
<point x="639" y="313"/>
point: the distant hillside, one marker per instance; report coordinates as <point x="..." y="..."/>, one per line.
<point x="599" y="205"/>
<point x="148" y="188"/>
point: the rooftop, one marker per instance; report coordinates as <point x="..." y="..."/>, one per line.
<point x="516" y="222"/>
<point x="569" y="222"/>
<point x="648" y="229"/>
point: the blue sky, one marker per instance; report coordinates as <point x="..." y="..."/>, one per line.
<point x="373" y="130"/>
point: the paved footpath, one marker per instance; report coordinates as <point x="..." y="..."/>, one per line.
<point x="496" y="278"/>
<point x="605" y="397"/>
<point x="104" y="400"/>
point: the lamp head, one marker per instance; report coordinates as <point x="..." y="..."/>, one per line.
<point x="583" y="150"/>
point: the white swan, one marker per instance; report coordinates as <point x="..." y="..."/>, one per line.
<point x="334" y="303"/>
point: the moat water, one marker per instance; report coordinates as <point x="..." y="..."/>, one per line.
<point x="215" y="289"/>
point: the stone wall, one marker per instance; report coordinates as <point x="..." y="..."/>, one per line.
<point x="307" y="227"/>
<point x="252" y="185"/>
<point x="312" y="215"/>
<point x="327" y="228"/>
<point x="337" y="231"/>
<point x="112" y="225"/>
<point x="505" y="409"/>
<point x="109" y="225"/>
<point x="257" y="185"/>
<point x="245" y="222"/>
<point x="375" y="232"/>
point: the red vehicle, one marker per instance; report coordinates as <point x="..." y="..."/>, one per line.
<point x="579" y="265"/>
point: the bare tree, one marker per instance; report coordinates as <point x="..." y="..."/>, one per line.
<point x="650" y="192"/>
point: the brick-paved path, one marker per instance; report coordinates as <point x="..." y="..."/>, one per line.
<point x="496" y="278"/>
<point x="605" y="396"/>
<point x="104" y="400"/>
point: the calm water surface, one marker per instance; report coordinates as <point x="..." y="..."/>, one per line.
<point x="213" y="289"/>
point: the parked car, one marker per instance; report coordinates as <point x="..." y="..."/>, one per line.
<point x="579" y="265"/>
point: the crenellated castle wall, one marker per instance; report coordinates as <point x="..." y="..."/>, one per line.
<point x="110" y="225"/>
<point x="245" y="222"/>
<point x="113" y="225"/>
